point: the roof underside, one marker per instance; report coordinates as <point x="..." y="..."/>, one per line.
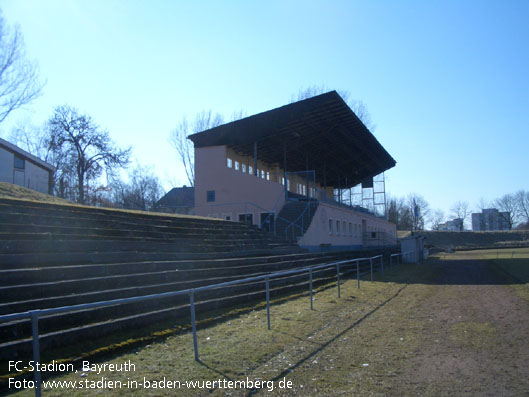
<point x="320" y="133"/>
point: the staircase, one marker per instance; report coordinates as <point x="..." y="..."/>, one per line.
<point x="294" y="219"/>
<point x="55" y="255"/>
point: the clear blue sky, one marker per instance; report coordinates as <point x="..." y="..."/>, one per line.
<point x="446" y="82"/>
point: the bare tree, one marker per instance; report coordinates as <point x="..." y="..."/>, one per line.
<point x="142" y="192"/>
<point x="88" y="149"/>
<point x="19" y="83"/>
<point x="438" y="217"/>
<point x="483" y="204"/>
<point x="420" y="211"/>
<point x="461" y="210"/>
<point x="184" y="147"/>
<point x="522" y="197"/>
<point x="509" y="209"/>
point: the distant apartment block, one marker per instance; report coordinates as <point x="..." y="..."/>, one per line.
<point x="490" y="219"/>
<point x="455" y="225"/>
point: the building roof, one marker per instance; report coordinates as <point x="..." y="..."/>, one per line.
<point x="320" y="133"/>
<point x="15" y="149"/>
<point x="178" y="197"/>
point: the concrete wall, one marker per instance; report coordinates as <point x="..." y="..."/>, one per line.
<point x="32" y="176"/>
<point x="361" y="230"/>
<point x="251" y="194"/>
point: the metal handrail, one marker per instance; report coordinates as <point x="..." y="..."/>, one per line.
<point x="35" y="314"/>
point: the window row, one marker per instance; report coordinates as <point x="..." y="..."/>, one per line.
<point x="237" y="166"/>
<point x="342" y="228"/>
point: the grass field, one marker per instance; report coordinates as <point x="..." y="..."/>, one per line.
<point x="406" y="333"/>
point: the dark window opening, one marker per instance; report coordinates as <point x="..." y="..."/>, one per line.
<point x="20" y="163"/>
<point x="211" y="196"/>
<point x="246" y="218"/>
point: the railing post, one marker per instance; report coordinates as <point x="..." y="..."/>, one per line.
<point x="267" y="283"/>
<point x="338" y="277"/>
<point x="193" y="323"/>
<point x="371" y="266"/>
<point x="358" y="273"/>
<point x="36" y="350"/>
<point x="310" y="287"/>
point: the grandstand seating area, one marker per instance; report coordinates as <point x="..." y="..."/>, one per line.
<point x="56" y="255"/>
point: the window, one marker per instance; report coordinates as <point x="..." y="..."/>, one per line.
<point x="236" y="165"/>
<point x="350" y="229"/>
<point x="20" y="163"/>
<point x="330" y="226"/>
<point x="344" y="228"/>
<point x="304" y="190"/>
<point x="210" y="196"/>
<point x="227" y="217"/>
<point x="267" y="175"/>
<point x="243" y="168"/>
<point x="288" y="184"/>
<point x="337" y="228"/>
<point x="250" y="170"/>
<point x="262" y="174"/>
<point x="229" y="162"/>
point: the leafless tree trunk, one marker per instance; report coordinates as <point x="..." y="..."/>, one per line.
<point x="522" y="197"/>
<point x="460" y="210"/>
<point x="184" y="147"/>
<point x="510" y="206"/>
<point x="89" y="150"/>
<point x="437" y="218"/>
<point x="19" y="84"/>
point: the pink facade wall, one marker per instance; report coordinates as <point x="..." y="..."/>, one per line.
<point x="239" y="192"/>
<point x="236" y="192"/>
<point x="319" y="231"/>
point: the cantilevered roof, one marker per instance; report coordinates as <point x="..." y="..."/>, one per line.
<point x="320" y="133"/>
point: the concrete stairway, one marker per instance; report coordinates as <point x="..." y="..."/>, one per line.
<point x="299" y="212"/>
<point x="58" y="255"/>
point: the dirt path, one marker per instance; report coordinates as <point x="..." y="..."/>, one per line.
<point x="461" y="330"/>
<point x="477" y="335"/>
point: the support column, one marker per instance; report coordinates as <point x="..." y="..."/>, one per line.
<point x="325" y="181"/>
<point x="255" y="159"/>
<point x="285" y="169"/>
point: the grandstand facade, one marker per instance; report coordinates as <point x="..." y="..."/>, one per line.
<point x="280" y="170"/>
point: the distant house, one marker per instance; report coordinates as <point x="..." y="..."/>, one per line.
<point x="455" y="225"/>
<point x="22" y="168"/>
<point x="490" y="219"/>
<point x="179" y="200"/>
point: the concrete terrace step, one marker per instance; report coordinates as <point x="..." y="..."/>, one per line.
<point x="115" y="293"/>
<point x="39" y="290"/>
<point x="156" y="226"/>
<point x="91" y="214"/>
<point x="53" y="244"/>
<point x="21" y="348"/>
<point x="23" y="260"/>
<point x="14" y="329"/>
<point x="12" y="276"/>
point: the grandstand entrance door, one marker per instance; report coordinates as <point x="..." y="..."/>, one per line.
<point x="246" y="218"/>
<point x="267" y="221"/>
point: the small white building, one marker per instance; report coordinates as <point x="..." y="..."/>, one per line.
<point x="22" y="168"/>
